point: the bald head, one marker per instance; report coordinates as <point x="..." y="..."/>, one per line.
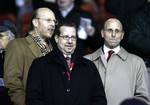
<point x="43" y="22"/>
<point x="42" y="12"/>
<point x="113" y="21"/>
<point x="112" y="33"/>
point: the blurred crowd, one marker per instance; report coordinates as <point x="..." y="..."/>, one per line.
<point x="20" y="12"/>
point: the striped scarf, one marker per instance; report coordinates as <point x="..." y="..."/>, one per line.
<point x="45" y="47"/>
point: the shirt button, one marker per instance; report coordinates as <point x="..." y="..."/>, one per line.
<point x="68" y="90"/>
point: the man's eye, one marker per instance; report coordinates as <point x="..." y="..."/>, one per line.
<point x="48" y="20"/>
<point x="73" y="37"/>
<point x="66" y="37"/>
<point x="110" y="30"/>
<point x="117" y="31"/>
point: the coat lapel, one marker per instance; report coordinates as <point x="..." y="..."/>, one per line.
<point x="33" y="47"/>
<point x="99" y="55"/>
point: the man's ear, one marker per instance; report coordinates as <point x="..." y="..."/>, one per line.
<point x="102" y="33"/>
<point x="122" y="34"/>
<point x="35" y="22"/>
<point x="56" y="38"/>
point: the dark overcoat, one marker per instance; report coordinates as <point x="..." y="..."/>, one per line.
<point x="48" y="83"/>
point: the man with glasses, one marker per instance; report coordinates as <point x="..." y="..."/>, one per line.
<point x="124" y="75"/>
<point x="88" y="36"/>
<point x="22" y="51"/>
<point x="52" y="81"/>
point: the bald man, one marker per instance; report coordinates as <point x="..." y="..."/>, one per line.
<point x="21" y="52"/>
<point x="124" y="75"/>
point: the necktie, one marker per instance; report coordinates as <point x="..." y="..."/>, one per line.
<point x="68" y="61"/>
<point x="109" y="54"/>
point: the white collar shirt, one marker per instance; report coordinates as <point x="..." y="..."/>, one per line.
<point x="106" y="49"/>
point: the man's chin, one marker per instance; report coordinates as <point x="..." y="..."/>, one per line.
<point x="49" y="36"/>
<point x="69" y="52"/>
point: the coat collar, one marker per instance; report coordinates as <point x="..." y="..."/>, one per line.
<point x="33" y="46"/>
<point x="54" y="57"/>
<point x="123" y="54"/>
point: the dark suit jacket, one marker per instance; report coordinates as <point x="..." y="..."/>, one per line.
<point x="48" y="83"/>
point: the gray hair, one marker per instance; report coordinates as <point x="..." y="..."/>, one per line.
<point x="10" y="35"/>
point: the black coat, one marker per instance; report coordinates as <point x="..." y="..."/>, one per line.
<point x="48" y="83"/>
<point x="139" y="35"/>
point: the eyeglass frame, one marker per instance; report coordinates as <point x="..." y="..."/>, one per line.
<point x="49" y="20"/>
<point x="73" y="38"/>
<point x="117" y="31"/>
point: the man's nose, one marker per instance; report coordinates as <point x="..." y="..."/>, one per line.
<point x="113" y="33"/>
<point x="70" y="40"/>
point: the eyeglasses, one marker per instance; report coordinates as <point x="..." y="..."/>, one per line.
<point x="111" y="31"/>
<point x="73" y="38"/>
<point x="49" y="20"/>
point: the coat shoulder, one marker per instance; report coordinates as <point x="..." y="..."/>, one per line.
<point x="89" y="56"/>
<point x="93" y="56"/>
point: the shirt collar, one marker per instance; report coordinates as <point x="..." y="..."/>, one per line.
<point x="67" y="55"/>
<point x="106" y="49"/>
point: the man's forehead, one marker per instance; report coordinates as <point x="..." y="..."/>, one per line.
<point x="113" y="24"/>
<point x="66" y="28"/>
<point x="44" y="12"/>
